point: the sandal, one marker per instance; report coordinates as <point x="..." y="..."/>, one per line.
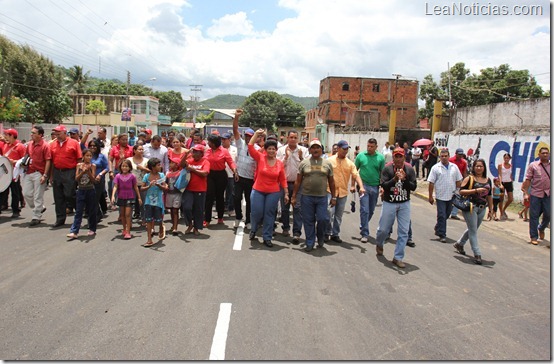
<point x="162" y="232"/>
<point x="147" y="244"/>
<point x="520" y="215"/>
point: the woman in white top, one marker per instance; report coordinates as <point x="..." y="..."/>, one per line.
<point x="505" y="176"/>
<point x="139" y="170"/>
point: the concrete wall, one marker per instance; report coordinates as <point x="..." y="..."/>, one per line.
<point x="524" y="148"/>
<point x="515" y="115"/>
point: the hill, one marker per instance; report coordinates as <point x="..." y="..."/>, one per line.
<point x="235" y="101"/>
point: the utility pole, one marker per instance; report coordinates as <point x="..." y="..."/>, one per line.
<point x="392" y="121"/>
<point x="195" y="88"/>
<point x="128" y="101"/>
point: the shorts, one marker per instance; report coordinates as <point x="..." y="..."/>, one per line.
<point x="153" y="213"/>
<point x="508" y="186"/>
<point x="125" y="202"/>
<point x="173" y="200"/>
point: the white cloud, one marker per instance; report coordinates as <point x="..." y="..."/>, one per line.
<point x="325" y="37"/>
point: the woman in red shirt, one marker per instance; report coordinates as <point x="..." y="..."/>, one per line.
<point x="217" y="179"/>
<point x="266" y="192"/>
<point x="194" y="197"/>
<point x="177" y="152"/>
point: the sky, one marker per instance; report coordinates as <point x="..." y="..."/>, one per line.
<point x="286" y="46"/>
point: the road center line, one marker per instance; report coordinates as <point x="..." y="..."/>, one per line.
<point x="238" y="237"/>
<point x="220" y="335"/>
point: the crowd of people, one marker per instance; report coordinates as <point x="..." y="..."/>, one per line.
<point x="146" y="176"/>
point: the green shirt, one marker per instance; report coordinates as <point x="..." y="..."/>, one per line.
<point x="314" y="176"/>
<point x="370" y="167"/>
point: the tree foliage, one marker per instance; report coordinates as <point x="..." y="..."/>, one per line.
<point x="268" y="109"/>
<point x="172" y="104"/>
<point x="76" y="81"/>
<point x="491" y="85"/>
<point x="11" y="109"/>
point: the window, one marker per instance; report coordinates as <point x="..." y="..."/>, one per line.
<point x="375" y="87"/>
<point x="345" y="86"/>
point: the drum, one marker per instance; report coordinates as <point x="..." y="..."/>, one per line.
<point x="6" y="173"/>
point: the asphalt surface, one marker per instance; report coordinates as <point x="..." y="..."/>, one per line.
<point x="112" y="299"/>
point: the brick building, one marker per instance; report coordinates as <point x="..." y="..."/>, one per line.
<point x="363" y="102"/>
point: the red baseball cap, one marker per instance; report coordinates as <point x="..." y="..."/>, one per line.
<point x="398" y="151"/>
<point x="11" y="132"/>
<point x="148" y="131"/>
<point x="60" y="128"/>
<point x="199" y="147"/>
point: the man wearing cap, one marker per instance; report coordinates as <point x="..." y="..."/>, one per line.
<point x="74" y="134"/>
<point x="14" y="151"/>
<point x="369" y="164"/>
<point x="291" y="155"/>
<point x="246" y="166"/>
<point x="444" y="178"/>
<point x="132" y="138"/>
<point x="38" y="170"/>
<point x="397" y="180"/>
<point x="230" y="190"/>
<point x="344" y="174"/>
<point x="148" y="138"/>
<point x="315" y="176"/>
<point x="66" y="153"/>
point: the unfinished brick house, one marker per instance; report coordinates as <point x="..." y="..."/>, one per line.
<point x="364" y="103"/>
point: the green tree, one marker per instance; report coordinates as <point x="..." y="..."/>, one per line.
<point x="56" y="107"/>
<point x="96" y="107"/>
<point x="11" y="109"/>
<point x="172" y="104"/>
<point x="268" y="109"/>
<point x="76" y="80"/>
<point x="107" y="87"/>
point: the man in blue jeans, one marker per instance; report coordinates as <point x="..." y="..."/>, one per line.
<point x="444" y="178"/>
<point x="398" y="180"/>
<point x="314" y="175"/>
<point x="370" y="164"/>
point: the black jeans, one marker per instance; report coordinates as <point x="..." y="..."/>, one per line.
<point x="217" y="183"/>
<point x="64" y="188"/>
<point x="15" y="189"/>
<point x="193" y="205"/>
<point x="243" y="187"/>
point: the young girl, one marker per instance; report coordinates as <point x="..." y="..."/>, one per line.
<point x="524" y="213"/>
<point x="173" y="196"/>
<point x="154" y="185"/>
<point x="497" y="192"/>
<point x="86" y="196"/>
<point x="126" y="189"/>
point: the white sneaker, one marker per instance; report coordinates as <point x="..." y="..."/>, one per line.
<point x="236" y="224"/>
<point x="248" y="226"/>
<point x="364" y="239"/>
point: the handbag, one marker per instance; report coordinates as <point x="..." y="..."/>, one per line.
<point x="463" y="203"/>
<point x="183" y="180"/>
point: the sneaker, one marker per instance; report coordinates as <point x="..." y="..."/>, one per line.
<point x="220" y="221"/>
<point x="442" y="239"/>
<point x="91" y="233"/>
<point x="379" y="250"/>
<point x="309" y="248"/>
<point x="286" y="232"/>
<point x="72" y="236"/>
<point x="252" y="235"/>
<point x="17" y="214"/>
<point x="296" y="240"/>
<point x="410" y="243"/>
<point x="399" y="263"/>
<point x="34" y="222"/>
<point x="268" y="243"/>
<point x="364" y="239"/>
<point x="478" y="260"/>
<point x="236" y="224"/>
<point x="336" y="239"/>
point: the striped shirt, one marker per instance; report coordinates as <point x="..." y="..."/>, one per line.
<point x="246" y="165"/>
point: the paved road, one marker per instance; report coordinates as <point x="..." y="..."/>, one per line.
<point x="108" y="298"/>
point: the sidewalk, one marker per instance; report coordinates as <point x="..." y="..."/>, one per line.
<point x="514" y="226"/>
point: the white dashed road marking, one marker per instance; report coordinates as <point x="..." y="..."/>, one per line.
<point x="220" y="335"/>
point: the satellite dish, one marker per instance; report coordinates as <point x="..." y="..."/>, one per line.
<point x="6" y="173"/>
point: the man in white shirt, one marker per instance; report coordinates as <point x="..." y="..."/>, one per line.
<point x="445" y="177"/>
<point x="155" y="149"/>
<point x="291" y="154"/>
<point x="416" y="157"/>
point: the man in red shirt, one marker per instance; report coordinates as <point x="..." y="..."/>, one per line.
<point x="14" y="151"/>
<point x="66" y="153"/>
<point x="38" y="170"/>
<point x="461" y="163"/>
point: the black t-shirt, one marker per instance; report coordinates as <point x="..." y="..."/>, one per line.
<point x="479" y="200"/>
